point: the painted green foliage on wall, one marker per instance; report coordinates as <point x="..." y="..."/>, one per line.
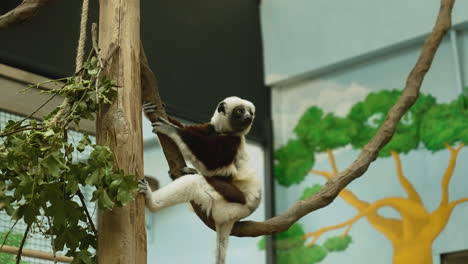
<point x="14" y="239"/>
<point x="369" y="115"/>
<point x="428" y="124"/>
<point x="291" y="249"/>
<point x="317" y="132"/>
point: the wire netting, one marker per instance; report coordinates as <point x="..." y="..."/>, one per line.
<point x="35" y="240"/>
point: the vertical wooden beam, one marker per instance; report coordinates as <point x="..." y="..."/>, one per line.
<point x="122" y="235"/>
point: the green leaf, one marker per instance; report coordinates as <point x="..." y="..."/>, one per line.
<point x="337" y="243"/>
<point x="321" y="132"/>
<point x="309" y="191"/>
<point x="105" y="201"/>
<point x="445" y="124"/>
<point x="370" y="115"/>
<point x="261" y="245"/>
<point x="49" y="133"/>
<point x="83" y="257"/>
<point x="293" y="162"/>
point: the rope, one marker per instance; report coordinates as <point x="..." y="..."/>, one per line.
<point x="82" y="39"/>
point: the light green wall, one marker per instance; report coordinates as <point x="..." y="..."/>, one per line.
<point x="304" y="35"/>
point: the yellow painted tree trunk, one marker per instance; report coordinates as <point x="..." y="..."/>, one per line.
<point x="413" y="252"/>
<point x="414" y="232"/>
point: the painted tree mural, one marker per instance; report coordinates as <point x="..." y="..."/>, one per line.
<point x="428" y="124"/>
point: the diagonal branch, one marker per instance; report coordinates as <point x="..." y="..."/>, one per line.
<point x="369" y="153"/>
<point x="390" y="227"/>
<point x="407" y="186"/>
<point x="331" y="158"/>
<point x="457" y="202"/>
<point x="22" y="13"/>
<point x="88" y="216"/>
<point x="20" y="250"/>
<point x="370" y="209"/>
<point x="449" y="172"/>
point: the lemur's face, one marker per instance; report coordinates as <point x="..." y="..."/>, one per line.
<point x="233" y="116"/>
<point x="241" y="118"/>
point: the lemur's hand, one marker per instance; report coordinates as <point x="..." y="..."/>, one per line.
<point x="143" y="186"/>
<point x="164" y="127"/>
<point x="185" y="171"/>
<point x="149" y="108"/>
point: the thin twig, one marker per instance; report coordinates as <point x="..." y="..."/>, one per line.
<point x="35" y="111"/>
<point x="52" y="240"/>
<point x="20" y="130"/>
<point x="90" y="220"/>
<point x="8" y="234"/>
<point x="20" y="251"/>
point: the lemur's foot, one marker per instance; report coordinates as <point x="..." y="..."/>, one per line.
<point x="143" y="186"/>
<point x="185" y="171"/>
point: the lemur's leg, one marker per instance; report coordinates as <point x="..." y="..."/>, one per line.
<point x="184" y="189"/>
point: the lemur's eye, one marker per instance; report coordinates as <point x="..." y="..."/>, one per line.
<point x="239" y="111"/>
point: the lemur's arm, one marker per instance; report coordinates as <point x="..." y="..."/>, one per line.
<point x="214" y="151"/>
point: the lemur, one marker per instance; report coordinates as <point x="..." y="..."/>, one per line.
<point x="223" y="184"/>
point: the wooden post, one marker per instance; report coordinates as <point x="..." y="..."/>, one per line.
<point x="122" y="235"/>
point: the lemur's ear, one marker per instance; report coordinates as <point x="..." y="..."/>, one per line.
<point x="222" y="107"/>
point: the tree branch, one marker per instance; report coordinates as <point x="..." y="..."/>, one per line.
<point x="407" y="186"/>
<point x="457" y="202"/>
<point x="369" y="153"/>
<point x="390" y="227"/>
<point x="331" y="158"/>
<point x="22" y="13"/>
<point x="449" y="172"/>
<point x="90" y="219"/>
<point x="372" y="208"/>
<point x="20" y="251"/>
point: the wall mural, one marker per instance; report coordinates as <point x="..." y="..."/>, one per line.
<point x="429" y="125"/>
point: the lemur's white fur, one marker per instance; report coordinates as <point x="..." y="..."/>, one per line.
<point x="195" y="188"/>
<point x="220" y="120"/>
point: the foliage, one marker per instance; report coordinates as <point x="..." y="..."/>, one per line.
<point x="40" y="177"/>
<point x="302" y="255"/>
<point x="14" y="239"/>
<point x="292" y="162"/>
<point x="427" y="121"/>
<point x="291" y="248"/>
<point x="309" y="191"/>
<point x="312" y="125"/>
<point x="445" y="124"/>
<point x="370" y="115"/>
<point x="338" y="243"/>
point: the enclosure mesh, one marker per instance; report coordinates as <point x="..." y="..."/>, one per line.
<point x="36" y="241"/>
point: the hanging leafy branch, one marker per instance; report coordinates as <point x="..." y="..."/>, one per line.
<point x="41" y="176"/>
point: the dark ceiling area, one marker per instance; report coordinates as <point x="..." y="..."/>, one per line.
<point x="200" y="51"/>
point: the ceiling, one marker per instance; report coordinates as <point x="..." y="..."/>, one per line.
<point x="201" y="51"/>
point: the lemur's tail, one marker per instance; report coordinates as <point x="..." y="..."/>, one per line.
<point x="223" y="231"/>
